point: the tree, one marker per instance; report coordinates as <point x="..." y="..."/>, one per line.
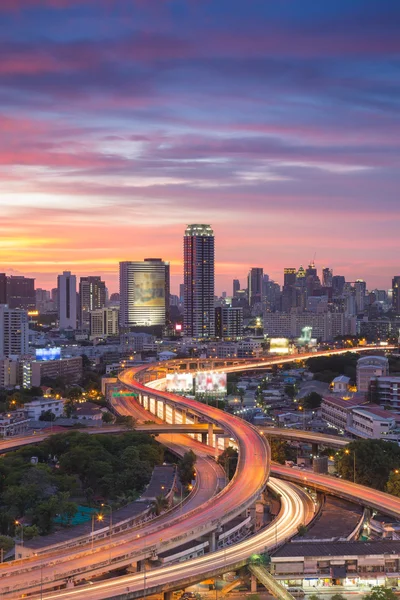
<point x="290" y="390"/>
<point x="311" y="401"/>
<point x="281" y="451"/>
<point x="301" y="530"/>
<point x="6" y="543"/>
<point x="314" y="597"/>
<point x="186" y="467"/>
<point x="228" y="460"/>
<point x="107" y="417"/>
<point x="374" y="460"/>
<point x="47" y="415"/>
<point x="127" y="421"/>
<point x="338" y="597"/>
<point x="393" y="484"/>
<point x="159" y="504"/>
<point x="380" y="593"/>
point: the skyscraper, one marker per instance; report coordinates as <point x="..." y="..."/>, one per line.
<point x="360" y="292"/>
<point x="21" y="292"/>
<point x="3" y="288"/>
<point x="14" y="328"/>
<point x="144" y="293"/>
<point x="327" y="275"/>
<point x="92" y="296"/>
<point x="396" y="294"/>
<point x="235" y="287"/>
<point x="255" y="285"/>
<point x="66" y="284"/>
<point x="199" y="315"/>
<point x="289" y="291"/>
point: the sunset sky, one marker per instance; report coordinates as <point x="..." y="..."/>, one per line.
<point x="276" y="121"/>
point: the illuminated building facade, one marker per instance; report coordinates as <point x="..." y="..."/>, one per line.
<point x="14" y="328"/>
<point x="92" y="296"/>
<point x="396" y="294"/>
<point x="144" y="293"/>
<point x="199" y="316"/>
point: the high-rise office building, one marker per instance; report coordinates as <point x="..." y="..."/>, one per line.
<point x="338" y="282"/>
<point x="67" y="301"/>
<point x="228" y="322"/>
<point x="360" y="288"/>
<point x="21" y="292"/>
<point x="92" y="296"/>
<point x="396" y="294"/>
<point x="327" y="275"/>
<point x="289" y="290"/>
<point x="14" y="331"/>
<point x="235" y="287"/>
<point x="144" y="293"/>
<point x="199" y="315"/>
<point x="104" y="322"/>
<point x="255" y="285"/>
<point x="3" y="288"/>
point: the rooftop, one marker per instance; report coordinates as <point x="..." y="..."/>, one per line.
<point x="319" y="549"/>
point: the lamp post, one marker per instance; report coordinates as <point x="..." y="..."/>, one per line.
<point x="19" y="524"/>
<point x="347" y="451"/>
<point x="111" y="523"/>
<point x="41" y="577"/>
<point x="99" y="518"/>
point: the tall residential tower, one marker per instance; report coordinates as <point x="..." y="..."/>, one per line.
<point x="199" y="315"/>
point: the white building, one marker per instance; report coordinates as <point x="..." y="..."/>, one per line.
<point x="340" y="385"/>
<point x="144" y="293"/>
<point x="14" y="331"/>
<point x="40" y="405"/>
<point x="325" y="326"/>
<point x="369" y="367"/>
<point x="67" y="301"/>
<point x="372" y="422"/>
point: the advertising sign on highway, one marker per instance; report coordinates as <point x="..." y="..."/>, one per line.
<point x="179" y="382"/>
<point x="208" y="382"/>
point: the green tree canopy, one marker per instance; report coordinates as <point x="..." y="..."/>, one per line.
<point x="381" y="593"/>
<point x="373" y="459"/>
<point x="186" y="467"/>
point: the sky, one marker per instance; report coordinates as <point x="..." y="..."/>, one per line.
<point x="277" y="122"/>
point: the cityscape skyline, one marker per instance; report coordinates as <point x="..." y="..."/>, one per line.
<point x="115" y="138"/>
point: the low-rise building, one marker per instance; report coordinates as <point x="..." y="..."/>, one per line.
<point x="386" y="390"/>
<point x="70" y="368"/>
<point x="13" y="423"/>
<point x="369" y="367"/>
<point x="88" y="411"/>
<point x="336" y="411"/>
<point x="372" y="422"/>
<point x="37" y="406"/>
<point x="315" y="565"/>
<point x="340" y="385"/>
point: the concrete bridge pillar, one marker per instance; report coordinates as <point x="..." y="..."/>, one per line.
<point x="211" y="435"/>
<point x="164" y="412"/>
<point x="168" y="595"/>
<point x="184" y="413"/>
<point x="314" y="449"/>
<point x="173" y="409"/>
<point x="204" y="438"/>
<point x="212" y="541"/>
<point x="253" y="584"/>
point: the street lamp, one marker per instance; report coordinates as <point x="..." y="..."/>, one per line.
<point x="347" y="451"/>
<point x="144" y="565"/>
<point x="99" y="518"/>
<point x="19" y="524"/>
<point x="111" y="523"/>
<point x="41" y="577"/>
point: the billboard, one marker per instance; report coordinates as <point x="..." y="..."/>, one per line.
<point x="43" y="354"/>
<point x="208" y="382"/>
<point x="279" y="346"/>
<point x="179" y="382"/>
<point x="149" y="289"/>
